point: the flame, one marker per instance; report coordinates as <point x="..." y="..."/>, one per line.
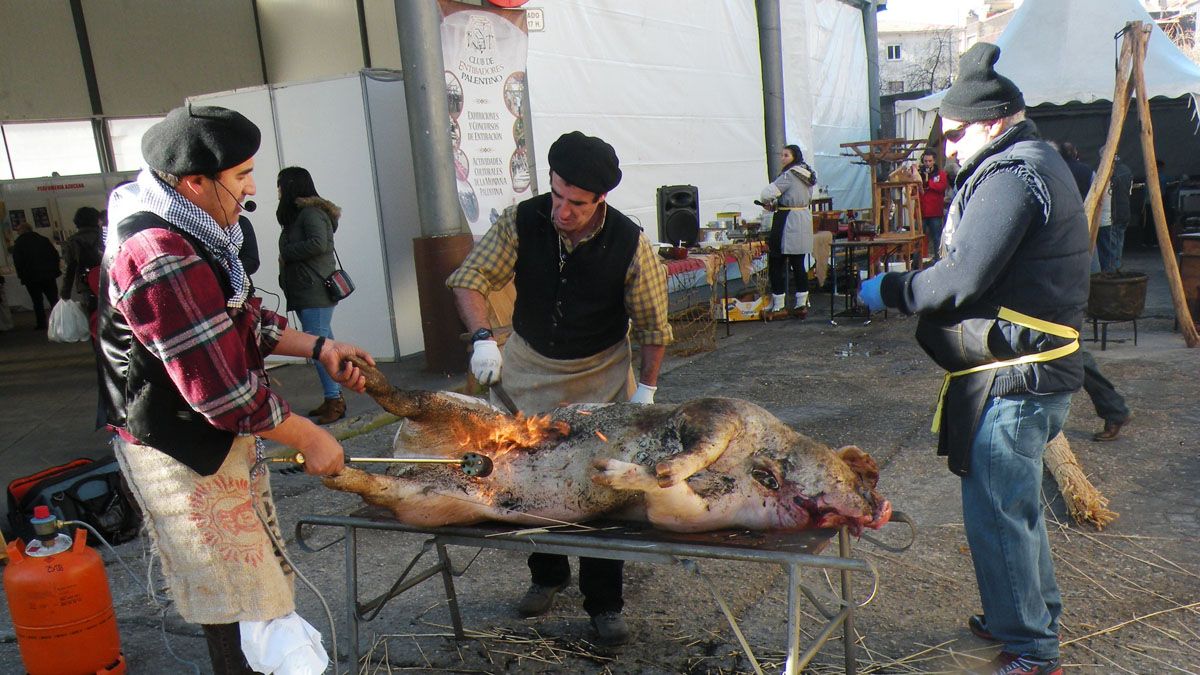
<point x="501" y="436"/>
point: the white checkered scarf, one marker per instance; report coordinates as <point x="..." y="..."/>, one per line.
<point x="151" y="194"/>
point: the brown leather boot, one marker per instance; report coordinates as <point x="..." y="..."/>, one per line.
<point x="334" y="411"/>
<point x="320" y="410"/>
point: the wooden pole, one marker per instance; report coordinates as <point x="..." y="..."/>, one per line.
<point x="1116" y="122"/>
<point x="1186" y="325"/>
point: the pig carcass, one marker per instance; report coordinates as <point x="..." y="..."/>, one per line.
<point x="708" y="464"/>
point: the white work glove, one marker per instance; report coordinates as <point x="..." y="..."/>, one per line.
<point x="644" y="394"/>
<point x="486" y="362"/>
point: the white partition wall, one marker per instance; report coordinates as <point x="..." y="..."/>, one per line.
<point x="331" y="127"/>
<point x="397" y="199"/>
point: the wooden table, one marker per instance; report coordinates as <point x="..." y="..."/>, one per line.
<point x="880" y="249"/>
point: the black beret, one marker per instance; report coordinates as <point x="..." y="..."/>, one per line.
<point x="980" y="93"/>
<point x="585" y="161"/>
<point x="201" y="140"/>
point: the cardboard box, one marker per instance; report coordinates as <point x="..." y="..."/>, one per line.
<point x="743" y="310"/>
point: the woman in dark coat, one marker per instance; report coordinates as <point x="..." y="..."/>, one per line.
<point x="306" y="259"/>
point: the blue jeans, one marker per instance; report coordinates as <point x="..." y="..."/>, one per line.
<point x="1002" y="514"/>
<point x="933" y="233"/>
<point x="1110" y="243"/>
<point x="316" y="321"/>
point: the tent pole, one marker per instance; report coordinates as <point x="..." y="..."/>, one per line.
<point x="770" y="54"/>
<point x="1184" y="316"/>
<point x="871" y="38"/>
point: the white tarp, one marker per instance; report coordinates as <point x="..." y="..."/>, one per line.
<point x="825" y="92"/>
<point x="1060" y="51"/>
<point x="674" y="88"/>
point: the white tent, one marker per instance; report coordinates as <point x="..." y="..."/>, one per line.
<point x="1063" y="51"/>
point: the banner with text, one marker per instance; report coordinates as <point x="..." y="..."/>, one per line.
<point x="484" y="52"/>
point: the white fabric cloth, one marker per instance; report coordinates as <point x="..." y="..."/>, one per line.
<point x="288" y="645"/>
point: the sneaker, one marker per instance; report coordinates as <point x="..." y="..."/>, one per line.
<point x="979" y="629"/>
<point x="538" y="599"/>
<point x="611" y="628"/>
<point x="1011" y="664"/>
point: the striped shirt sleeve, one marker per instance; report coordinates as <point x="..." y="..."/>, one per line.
<point x="175" y="307"/>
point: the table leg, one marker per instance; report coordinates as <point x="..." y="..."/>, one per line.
<point x="792" y="666"/>
<point x="451" y="596"/>
<point x="848" y="599"/>
<point x="350" y="544"/>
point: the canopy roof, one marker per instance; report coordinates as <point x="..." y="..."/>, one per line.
<point x="1059" y="51"/>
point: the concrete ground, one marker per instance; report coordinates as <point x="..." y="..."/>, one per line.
<point x="1130" y="592"/>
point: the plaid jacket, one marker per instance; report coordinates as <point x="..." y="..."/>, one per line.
<point x="175" y="306"/>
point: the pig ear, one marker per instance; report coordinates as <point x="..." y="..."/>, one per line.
<point x="861" y="463"/>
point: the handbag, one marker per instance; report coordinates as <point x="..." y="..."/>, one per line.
<point x="338" y="284"/>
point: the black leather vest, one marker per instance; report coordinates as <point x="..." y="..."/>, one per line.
<point x="570" y="306"/>
<point x="137" y="393"/>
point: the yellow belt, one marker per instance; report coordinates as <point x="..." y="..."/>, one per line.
<point x="1019" y="319"/>
<point x="791" y="208"/>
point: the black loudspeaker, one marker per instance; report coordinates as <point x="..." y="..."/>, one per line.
<point x="679" y="215"/>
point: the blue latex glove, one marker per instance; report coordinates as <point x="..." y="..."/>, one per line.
<point x="869" y="294"/>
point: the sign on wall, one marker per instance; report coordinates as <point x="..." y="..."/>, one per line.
<point x="484" y="52"/>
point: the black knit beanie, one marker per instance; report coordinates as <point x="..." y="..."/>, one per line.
<point x="200" y="140"/>
<point x="585" y="161"/>
<point x="980" y="93"/>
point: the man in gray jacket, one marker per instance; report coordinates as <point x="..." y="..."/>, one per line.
<point x="1001" y="313"/>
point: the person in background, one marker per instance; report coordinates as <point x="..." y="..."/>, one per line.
<point x="791" y="234"/>
<point x="933" y="199"/>
<point x="1120" y="190"/>
<point x="1012" y="283"/>
<point x="584" y="274"/>
<point x="187" y="392"/>
<point x="36" y="261"/>
<point x="248" y="254"/>
<point x="306" y="257"/>
<point x="82" y="252"/>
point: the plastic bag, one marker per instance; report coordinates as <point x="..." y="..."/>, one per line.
<point x="68" y="322"/>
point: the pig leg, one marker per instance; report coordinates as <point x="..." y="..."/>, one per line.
<point x="412" y="502"/>
<point x="706" y="427"/>
<point x="677" y="507"/>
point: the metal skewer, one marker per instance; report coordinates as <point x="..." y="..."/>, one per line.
<point x="472" y="464"/>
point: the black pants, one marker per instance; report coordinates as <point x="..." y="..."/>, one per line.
<point x="225" y="649"/>
<point x="599" y="579"/>
<point x="778" y="267"/>
<point x="1110" y="405"/>
<point x="37" y="289"/>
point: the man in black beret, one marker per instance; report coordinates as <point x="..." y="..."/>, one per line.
<point x="183" y="382"/>
<point x="584" y="274"/>
<point x="1001" y="311"/>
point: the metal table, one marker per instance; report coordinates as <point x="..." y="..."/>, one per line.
<point x="791" y="551"/>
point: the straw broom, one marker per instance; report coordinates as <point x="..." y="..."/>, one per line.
<point x="1084" y="501"/>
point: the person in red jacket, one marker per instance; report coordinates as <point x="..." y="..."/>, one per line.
<point x="933" y="199"/>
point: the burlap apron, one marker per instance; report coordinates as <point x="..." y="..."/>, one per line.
<point x="538" y="384"/>
<point x="218" y="560"/>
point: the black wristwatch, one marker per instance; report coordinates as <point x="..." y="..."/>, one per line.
<point x="481" y="334"/>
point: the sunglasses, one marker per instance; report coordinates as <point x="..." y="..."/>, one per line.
<point x="955" y="135"/>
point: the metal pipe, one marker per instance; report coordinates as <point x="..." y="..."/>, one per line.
<point x="362" y="33"/>
<point x="418" y="24"/>
<point x="871" y="38"/>
<point x="770" y="54"/>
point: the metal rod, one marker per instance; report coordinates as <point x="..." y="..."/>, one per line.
<point x="402" y="460"/>
<point x="848" y="599"/>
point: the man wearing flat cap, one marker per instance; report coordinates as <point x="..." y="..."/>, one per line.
<point x="584" y="274"/>
<point x="183" y="384"/>
<point x="1000" y="312"/>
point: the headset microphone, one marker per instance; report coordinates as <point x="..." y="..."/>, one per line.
<point x="248" y="207"/>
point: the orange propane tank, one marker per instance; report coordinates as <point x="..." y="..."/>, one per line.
<point x="61" y="607"/>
